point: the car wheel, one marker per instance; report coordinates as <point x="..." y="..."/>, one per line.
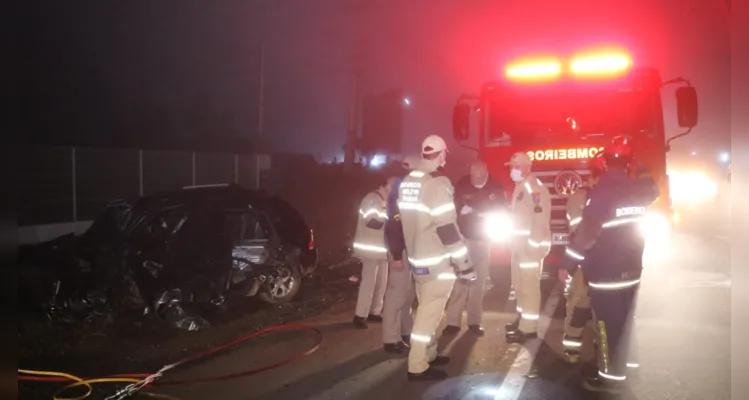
<point x="283" y="286"/>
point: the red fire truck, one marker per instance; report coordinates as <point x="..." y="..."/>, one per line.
<point x="561" y="110"/>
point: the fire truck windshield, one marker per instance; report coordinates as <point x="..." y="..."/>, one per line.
<point x="534" y="117"/>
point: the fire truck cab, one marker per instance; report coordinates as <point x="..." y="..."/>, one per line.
<point x="562" y="110"/>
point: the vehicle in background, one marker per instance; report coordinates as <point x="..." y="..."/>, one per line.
<point x="562" y="110"/>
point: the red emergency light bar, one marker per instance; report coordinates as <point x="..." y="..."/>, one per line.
<point x="588" y="65"/>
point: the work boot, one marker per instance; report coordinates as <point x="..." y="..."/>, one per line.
<point x="396" y="348"/>
<point x="374" y="318"/>
<point x="572" y="356"/>
<point x="430" y="374"/>
<point x="476" y="330"/>
<point x="596" y="384"/>
<point x="512" y="326"/>
<point x="518" y="336"/>
<point x="451" y="330"/>
<point x="360" y="322"/>
<point x="439" y="360"/>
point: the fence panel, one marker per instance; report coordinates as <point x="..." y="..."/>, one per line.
<point x="103" y="175"/>
<point x="212" y="168"/>
<point x="45" y="183"/>
<point x="166" y="170"/>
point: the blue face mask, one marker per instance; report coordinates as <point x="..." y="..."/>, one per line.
<point x="516" y="175"/>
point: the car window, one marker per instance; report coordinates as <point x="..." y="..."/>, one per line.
<point x="246" y="226"/>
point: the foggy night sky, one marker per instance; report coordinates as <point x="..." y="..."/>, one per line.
<point x="108" y="60"/>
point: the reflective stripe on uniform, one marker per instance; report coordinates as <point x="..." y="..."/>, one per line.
<point x="574" y="254"/>
<point x="538" y="244"/>
<point x="436" y="211"/>
<point x="614" y="285"/>
<point x="416" y="174"/>
<point x="530" y="317"/>
<point x="429" y="261"/>
<point x="529" y="265"/>
<point x="369" y="247"/>
<point x="622" y="221"/>
<point x="373" y="211"/>
<point x="572" y="343"/>
<point x="421" y="338"/>
<point x="574" y="221"/>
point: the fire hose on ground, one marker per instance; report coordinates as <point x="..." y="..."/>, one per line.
<point x="140" y="381"/>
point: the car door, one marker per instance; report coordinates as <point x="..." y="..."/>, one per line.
<point x="251" y="236"/>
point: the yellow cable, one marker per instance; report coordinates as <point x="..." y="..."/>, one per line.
<point x="78" y="382"/>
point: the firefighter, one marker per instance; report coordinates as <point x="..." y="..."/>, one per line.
<point x="397" y="320"/>
<point x="436" y="251"/>
<point x="530" y="244"/>
<point x="475" y="195"/>
<point x="369" y="245"/>
<point x="578" y="302"/>
<point x="608" y="245"/>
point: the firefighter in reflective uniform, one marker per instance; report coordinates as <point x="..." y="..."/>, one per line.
<point x="578" y="302"/>
<point x="530" y="244"/>
<point x="397" y="319"/>
<point x="436" y="250"/>
<point x="475" y="195"/>
<point x="369" y="245"/>
<point x="608" y="245"/>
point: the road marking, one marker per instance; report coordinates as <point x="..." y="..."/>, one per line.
<point x="512" y="385"/>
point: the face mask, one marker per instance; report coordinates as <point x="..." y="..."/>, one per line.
<point x="516" y="175"/>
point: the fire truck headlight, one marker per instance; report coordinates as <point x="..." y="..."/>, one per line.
<point x="498" y="226"/>
<point x="656" y="228"/>
<point x="692" y="187"/>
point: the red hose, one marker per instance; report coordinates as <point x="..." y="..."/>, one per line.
<point x="210" y="352"/>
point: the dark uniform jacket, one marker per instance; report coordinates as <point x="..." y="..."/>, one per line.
<point x="609" y="242"/>
<point x="490" y="197"/>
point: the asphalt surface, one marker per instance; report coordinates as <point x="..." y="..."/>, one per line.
<point x="683" y="326"/>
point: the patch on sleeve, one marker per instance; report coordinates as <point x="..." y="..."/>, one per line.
<point x="536" y="197"/>
<point x="537" y="209"/>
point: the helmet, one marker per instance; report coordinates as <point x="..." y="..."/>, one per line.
<point x="410" y="161"/>
<point x="433" y="144"/>
<point x="619" y="151"/>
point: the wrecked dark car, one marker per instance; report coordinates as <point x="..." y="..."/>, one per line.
<point x="174" y="251"/>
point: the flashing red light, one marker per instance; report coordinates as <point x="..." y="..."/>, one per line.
<point x="600" y="64"/>
<point x="587" y="65"/>
<point x="311" y="244"/>
<point x="540" y="69"/>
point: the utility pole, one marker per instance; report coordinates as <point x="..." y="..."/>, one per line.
<point x="261" y="100"/>
<point x="357" y="64"/>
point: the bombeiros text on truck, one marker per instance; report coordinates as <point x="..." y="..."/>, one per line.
<point x="561" y="110"/>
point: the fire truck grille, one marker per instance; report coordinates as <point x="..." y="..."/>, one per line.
<point x="558" y="202"/>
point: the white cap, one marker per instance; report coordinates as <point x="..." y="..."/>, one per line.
<point x="433" y="144"/>
<point x="410" y="161"/>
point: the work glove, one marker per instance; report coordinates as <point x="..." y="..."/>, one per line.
<point x="466" y="210"/>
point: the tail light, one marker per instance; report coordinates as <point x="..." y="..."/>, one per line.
<point x="311" y="245"/>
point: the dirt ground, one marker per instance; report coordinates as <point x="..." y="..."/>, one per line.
<point x="144" y="343"/>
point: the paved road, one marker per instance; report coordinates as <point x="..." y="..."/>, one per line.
<point x="683" y="325"/>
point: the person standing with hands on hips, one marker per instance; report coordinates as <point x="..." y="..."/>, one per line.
<point x="437" y="253"/>
<point x="475" y="195"/>
<point x="530" y="244"/>
<point x="369" y="245"/>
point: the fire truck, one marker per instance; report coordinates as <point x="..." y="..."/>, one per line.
<point x="562" y="110"/>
